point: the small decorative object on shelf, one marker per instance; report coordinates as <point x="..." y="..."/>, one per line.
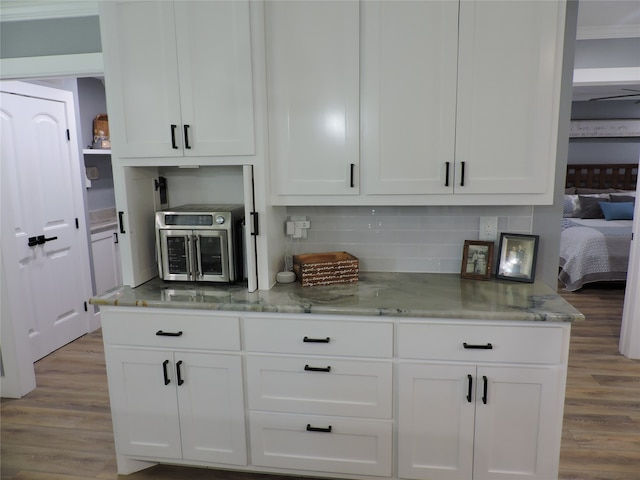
<point x="101" y="138"/>
<point x="325" y="268"/>
<point x="517" y="260"/>
<point x="477" y="258"/>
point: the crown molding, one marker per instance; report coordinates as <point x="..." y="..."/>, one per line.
<point x="20" y="10"/>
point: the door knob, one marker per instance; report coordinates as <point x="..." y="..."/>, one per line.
<point x="41" y="239"/>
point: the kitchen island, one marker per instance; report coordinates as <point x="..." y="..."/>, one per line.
<point x="412" y="376"/>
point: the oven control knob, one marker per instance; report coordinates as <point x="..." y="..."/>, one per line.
<point x="219" y="219"/>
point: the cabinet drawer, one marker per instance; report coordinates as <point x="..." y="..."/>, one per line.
<point x="484" y="343"/>
<point x="360" y="447"/>
<point x="298" y="335"/>
<point x="320" y="385"/>
<point x="170" y="329"/>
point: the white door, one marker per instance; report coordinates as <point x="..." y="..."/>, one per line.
<point x="435" y="421"/>
<point x="211" y="407"/>
<point x="517" y="423"/>
<point x="36" y="156"/>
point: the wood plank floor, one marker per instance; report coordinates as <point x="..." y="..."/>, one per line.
<point x="62" y="430"/>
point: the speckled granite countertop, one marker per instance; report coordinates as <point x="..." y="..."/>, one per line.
<point x="101" y="220"/>
<point x="376" y="294"/>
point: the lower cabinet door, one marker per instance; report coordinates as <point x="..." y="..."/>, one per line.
<point x="436" y="407"/>
<point x="518" y="429"/>
<point x="144" y="406"/>
<point x="321" y="444"/>
<point x="211" y="407"/>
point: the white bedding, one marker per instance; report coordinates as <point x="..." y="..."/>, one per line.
<point x="593" y="250"/>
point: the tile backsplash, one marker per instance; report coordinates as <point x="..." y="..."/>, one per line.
<point x="403" y="239"/>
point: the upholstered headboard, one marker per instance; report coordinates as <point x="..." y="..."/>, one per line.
<point x="619" y="176"/>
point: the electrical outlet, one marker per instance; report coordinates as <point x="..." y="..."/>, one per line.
<point x="488" y="229"/>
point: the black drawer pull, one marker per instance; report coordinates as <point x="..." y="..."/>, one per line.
<point x="446" y="179"/>
<point x="487" y="346"/>
<point x="316" y="340"/>
<point x="484" y="393"/>
<point x="164" y="371"/>
<point x="173" y="136"/>
<point x="307" y="368"/>
<point x="180" y="380"/>
<point x="318" y="429"/>
<point x="169" y="334"/>
<point x="470" y="388"/>
<point x="186" y="137"/>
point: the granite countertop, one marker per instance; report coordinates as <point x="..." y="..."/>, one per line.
<point x="101" y="220"/>
<point x="427" y="295"/>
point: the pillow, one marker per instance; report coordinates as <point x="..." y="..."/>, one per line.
<point x="571" y="207"/>
<point x="588" y="191"/>
<point x="617" y="210"/>
<point x="590" y="205"/>
<point x="622" y="198"/>
<point x="570" y="191"/>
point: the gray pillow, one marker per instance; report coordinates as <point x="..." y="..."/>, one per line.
<point x="590" y="205"/>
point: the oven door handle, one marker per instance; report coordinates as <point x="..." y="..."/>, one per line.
<point x="195" y="257"/>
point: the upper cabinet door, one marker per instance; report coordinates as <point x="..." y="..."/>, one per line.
<point x="313" y="75"/>
<point x="216" y="89"/>
<point x="409" y="96"/>
<point x="178" y="78"/>
<point x="141" y="77"/>
<point x="510" y="57"/>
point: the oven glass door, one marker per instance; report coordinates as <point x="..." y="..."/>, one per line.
<point x="211" y="255"/>
<point x="177" y="254"/>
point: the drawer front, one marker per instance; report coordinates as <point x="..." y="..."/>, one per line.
<point x="484" y="343"/>
<point x="170" y="329"/>
<point x="359" y="447"/>
<point x="320" y="385"/>
<point x="299" y="335"/>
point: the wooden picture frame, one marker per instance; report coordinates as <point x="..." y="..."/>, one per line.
<point x="477" y="258"/>
<point x="517" y="257"/>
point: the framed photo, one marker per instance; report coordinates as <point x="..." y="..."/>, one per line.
<point x="477" y="259"/>
<point x="517" y="260"/>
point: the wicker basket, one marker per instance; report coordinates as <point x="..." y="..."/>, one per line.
<point x="325" y="268"/>
<point x="101" y="125"/>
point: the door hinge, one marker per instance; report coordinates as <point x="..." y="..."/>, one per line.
<point x="86" y="307"/>
<point x="68" y="135"/>
<point x="77" y="223"/>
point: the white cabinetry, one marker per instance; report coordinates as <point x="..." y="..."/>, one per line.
<point x="312" y="59"/>
<point x="482" y="411"/>
<point x="168" y="401"/>
<point x="182" y="84"/>
<point x="320" y="395"/>
<point x="459" y="105"/>
<point x="105" y="249"/>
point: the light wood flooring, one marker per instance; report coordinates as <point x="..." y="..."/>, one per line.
<point x="62" y="430"/>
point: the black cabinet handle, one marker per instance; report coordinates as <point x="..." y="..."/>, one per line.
<point x="186" y="137"/>
<point x="462" y="174"/>
<point x="121" y="221"/>
<point x="169" y="334"/>
<point x="446" y="174"/>
<point x="470" y="378"/>
<point x="256" y="224"/>
<point x="179" y="373"/>
<point x="484" y="393"/>
<point x="165" y="372"/>
<point x="173" y="136"/>
<point x="351" y="172"/>
<point x="468" y="346"/>
<point x="316" y="340"/>
<point x="318" y="429"/>
<point x="115" y="237"/>
<point x="307" y="368"/>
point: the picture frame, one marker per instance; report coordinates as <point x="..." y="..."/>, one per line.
<point x="517" y="257"/>
<point x="477" y="258"/>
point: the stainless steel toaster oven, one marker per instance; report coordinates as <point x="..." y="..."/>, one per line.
<point x="201" y="243"/>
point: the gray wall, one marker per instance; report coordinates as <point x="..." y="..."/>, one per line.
<point x="55" y="36"/>
<point x="604" y="150"/>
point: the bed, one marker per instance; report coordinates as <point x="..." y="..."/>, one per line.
<point x="596" y="225"/>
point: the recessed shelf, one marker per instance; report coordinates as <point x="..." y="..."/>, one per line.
<point x="96" y="151"/>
